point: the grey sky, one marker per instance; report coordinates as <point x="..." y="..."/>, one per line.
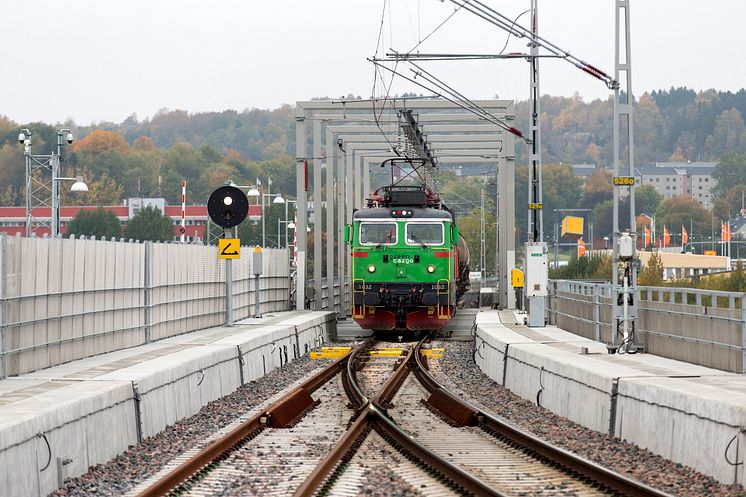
<point x="94" y="60"/>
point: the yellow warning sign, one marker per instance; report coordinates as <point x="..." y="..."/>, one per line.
<point x="229" y="248"/>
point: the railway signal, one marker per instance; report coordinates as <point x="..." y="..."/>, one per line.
<point x="228" y="206"/>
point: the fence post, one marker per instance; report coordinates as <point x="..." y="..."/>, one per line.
<point x="597" y="312"/>
<point x="743" y="333"/>
<point x="4" y="338"/>
<point x="146" y="290"/>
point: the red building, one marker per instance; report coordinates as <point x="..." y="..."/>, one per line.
<point x="13" y="219"/>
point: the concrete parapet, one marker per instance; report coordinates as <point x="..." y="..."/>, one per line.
<point x="697" y="421"/>
<point x="688" y="413"/>
<point x="177" y="385"/>
<point x="59" y="428"/>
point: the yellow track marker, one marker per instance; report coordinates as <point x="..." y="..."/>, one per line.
<point x="387" y="352"/>
<point x="330" y="352"/>
<point x="436" y="353"/>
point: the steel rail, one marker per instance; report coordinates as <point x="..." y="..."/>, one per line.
<point x="281" y="412"/>
<point x="344" y="449"/>
<point x="462" y="413"/>
<point x="372" y="416"/>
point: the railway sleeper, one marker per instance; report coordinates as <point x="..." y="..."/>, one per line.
<point x="291" y="409"/>
<point x="455" y="412"/>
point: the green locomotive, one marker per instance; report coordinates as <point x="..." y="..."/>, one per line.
<point x="410" y="267"/>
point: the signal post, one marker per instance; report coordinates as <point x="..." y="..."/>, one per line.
<point x="228" y="207"/>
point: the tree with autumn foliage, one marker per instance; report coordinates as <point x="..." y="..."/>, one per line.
<point x="677" y="211"/>
<point x="101" y="142"/>
<point x="597" y="189"/>
<point x="102" y="190"/>
<point x="652" y="273"/>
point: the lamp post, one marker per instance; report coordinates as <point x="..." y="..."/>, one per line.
<point x="254" y="192"/>
<point x="37" y="188"/>
<point x="287" y="224"/>
<point x="277" y="200"/>
<point x="606" y="243"/>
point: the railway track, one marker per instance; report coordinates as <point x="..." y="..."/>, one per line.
<point x="370" y="420"/>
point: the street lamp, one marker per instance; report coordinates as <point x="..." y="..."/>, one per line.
<point x="277" y="200"/>
<point x="606" y="243"/>
<point x="290" y="225"/>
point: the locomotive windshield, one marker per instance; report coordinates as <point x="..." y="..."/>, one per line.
<point x="377" y="233"/>
<point x="427" y="234"/>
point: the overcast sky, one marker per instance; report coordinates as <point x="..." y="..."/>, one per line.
<point x="94" y="60"/>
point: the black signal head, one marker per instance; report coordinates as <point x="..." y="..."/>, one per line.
<point x="228" y="206"/>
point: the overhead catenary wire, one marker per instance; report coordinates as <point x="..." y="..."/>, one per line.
<point x="422" y="40"/>
<point x="455" y="100"/>
<point x="494" y="17"/>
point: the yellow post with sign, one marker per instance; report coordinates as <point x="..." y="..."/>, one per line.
<point x="229" y="248"/>
<point x="516" y="278"/>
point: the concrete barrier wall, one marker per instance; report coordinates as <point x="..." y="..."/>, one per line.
<point x="65" y="299"/>
<point x="702" y="327"/>
<point x="78" y="424"/>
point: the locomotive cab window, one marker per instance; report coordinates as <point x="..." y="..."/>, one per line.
<point x="424" y="234"/>
<point x="377" y="233"/>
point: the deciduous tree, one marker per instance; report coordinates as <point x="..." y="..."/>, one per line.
<point x="98" y="223"/>
<point x="597" y="189"/>
<point x="730" y="171"/>
<point x="150" y="224"/>
<point x="677" y="211"/>
<point x="100" y="142"/>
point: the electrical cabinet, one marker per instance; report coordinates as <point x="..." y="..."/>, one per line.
<point x="536" y="270"/>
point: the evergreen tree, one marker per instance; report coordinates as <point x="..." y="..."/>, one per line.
<point x="98" y="223"/>
<point x="150" y="224"/>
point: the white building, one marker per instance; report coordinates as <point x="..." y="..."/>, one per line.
<point x="675" y="179"/>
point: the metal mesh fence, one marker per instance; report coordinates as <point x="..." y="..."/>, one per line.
<point x="704" y="327"/>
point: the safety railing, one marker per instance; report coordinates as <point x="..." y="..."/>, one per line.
<point x="705" y="327"/>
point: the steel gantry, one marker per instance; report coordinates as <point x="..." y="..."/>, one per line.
<point x="347" y="138"/>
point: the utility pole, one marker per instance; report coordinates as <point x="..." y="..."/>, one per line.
<point x="536" y="249"/>
<point x="42" y="190"/>
<point x="625" y="294"/>
<point x="482" y="241"/>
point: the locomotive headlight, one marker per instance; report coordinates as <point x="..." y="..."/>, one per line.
<point x="371" y="269"/>
<point x="430" y="268"/>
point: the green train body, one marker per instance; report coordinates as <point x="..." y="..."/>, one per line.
<point x="409" y="267"/>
